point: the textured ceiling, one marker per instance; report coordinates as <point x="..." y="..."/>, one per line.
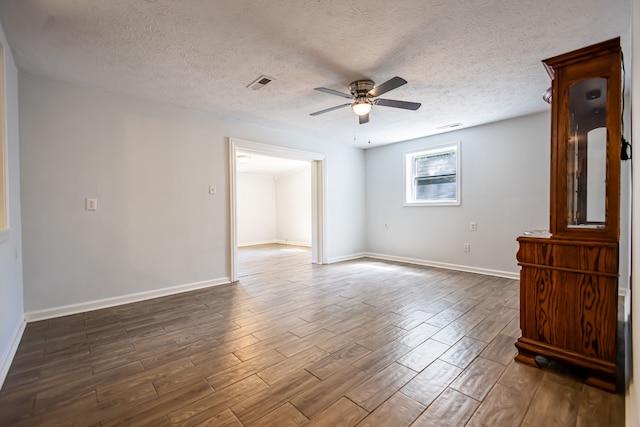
<point x="467" y="61"/>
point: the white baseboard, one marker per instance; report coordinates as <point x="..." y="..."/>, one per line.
<point x="346" y="258"/>
<point x="626" y="295"/>
<point x="260" y="242"/>
<point x="274" y="242"/>
<point x="289" y="242"/>
<point x="427" y="263"/>
<point x="66" y="310"/>
<point x="10" y="352"/>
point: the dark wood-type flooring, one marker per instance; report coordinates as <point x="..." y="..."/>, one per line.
<point x="364" y="343"/>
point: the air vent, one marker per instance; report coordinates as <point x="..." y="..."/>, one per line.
<point x="260" y="82"/>
<point x="451" y="126"/>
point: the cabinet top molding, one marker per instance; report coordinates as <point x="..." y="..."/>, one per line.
<point x="584" y="54"/>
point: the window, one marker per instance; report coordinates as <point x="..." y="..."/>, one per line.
<point x="432" y="176"/>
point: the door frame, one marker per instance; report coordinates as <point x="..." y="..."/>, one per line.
<point x="318" y="195"/>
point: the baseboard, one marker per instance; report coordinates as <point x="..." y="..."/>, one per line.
<point x="274" y="242"/>
<point x="625" y="294"/>
<point x="10" y="352"/>
<point x="66" y="310"/>
<point x="447" y="266"/>
<point x="260" y="242"/>
<point x="289" y="242"/>
<point x="346" y="258"/>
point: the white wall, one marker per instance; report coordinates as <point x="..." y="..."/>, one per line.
<point x="504" y="188"/>
<point x="149" y="165"/>
<point x="293" y="207"/>
<point x="11" y="298"/>
<point x="274" y="209"/>
<point x="255" y="209"/>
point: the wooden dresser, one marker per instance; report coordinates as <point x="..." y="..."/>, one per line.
<point x="569" y="275"/>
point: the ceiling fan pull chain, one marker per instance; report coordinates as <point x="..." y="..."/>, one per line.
<point x="355" y="132"/>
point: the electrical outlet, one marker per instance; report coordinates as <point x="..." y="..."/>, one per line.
<point x="466" y="247"/>
<point x="473" y="226"/>
<point x="91" y="204"/>
<point x="386" y="226"/>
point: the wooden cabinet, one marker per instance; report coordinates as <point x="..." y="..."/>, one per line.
<point x="568" y="304"/>
<point x="586" y="134"/>
<point x="569" y="276"/>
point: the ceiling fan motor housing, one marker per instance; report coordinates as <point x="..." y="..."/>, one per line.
<point x="360" y="88"/>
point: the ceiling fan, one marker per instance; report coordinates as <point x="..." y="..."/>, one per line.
<point x="363" y="93"/>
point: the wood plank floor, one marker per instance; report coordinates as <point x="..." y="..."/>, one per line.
<point x="364" y="343"/>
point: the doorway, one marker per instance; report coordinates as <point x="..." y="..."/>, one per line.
<point x="318" y="196"/>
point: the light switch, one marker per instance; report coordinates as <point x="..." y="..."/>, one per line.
<point x="213" y="190"/>
<point x="91" y="204"/>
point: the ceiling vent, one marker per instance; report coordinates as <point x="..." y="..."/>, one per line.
<point x="451" y="126"/>
<point x="260" y="82"/>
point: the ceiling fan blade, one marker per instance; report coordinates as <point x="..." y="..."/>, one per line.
<point x="387" y="86"/>
<point x="364" y="119"/>
<point x="329" y="109"/>
<point x="333" y="92"/>
<point x="398" y="104"/>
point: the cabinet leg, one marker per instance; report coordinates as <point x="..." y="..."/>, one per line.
<point x="527" y="357"/>
<point x="608" y="384"/>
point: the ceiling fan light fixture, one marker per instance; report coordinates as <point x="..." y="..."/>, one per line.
<point x="361" y="107"/>
<point x="547" y="96"/>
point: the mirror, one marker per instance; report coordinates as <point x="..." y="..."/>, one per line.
<point x="587" y="154"/>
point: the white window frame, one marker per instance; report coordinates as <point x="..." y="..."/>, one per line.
<point x="409" y="175"/>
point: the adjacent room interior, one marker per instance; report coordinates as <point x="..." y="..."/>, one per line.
<point x="259" y="213"/>
<point x="280" y="189"/>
